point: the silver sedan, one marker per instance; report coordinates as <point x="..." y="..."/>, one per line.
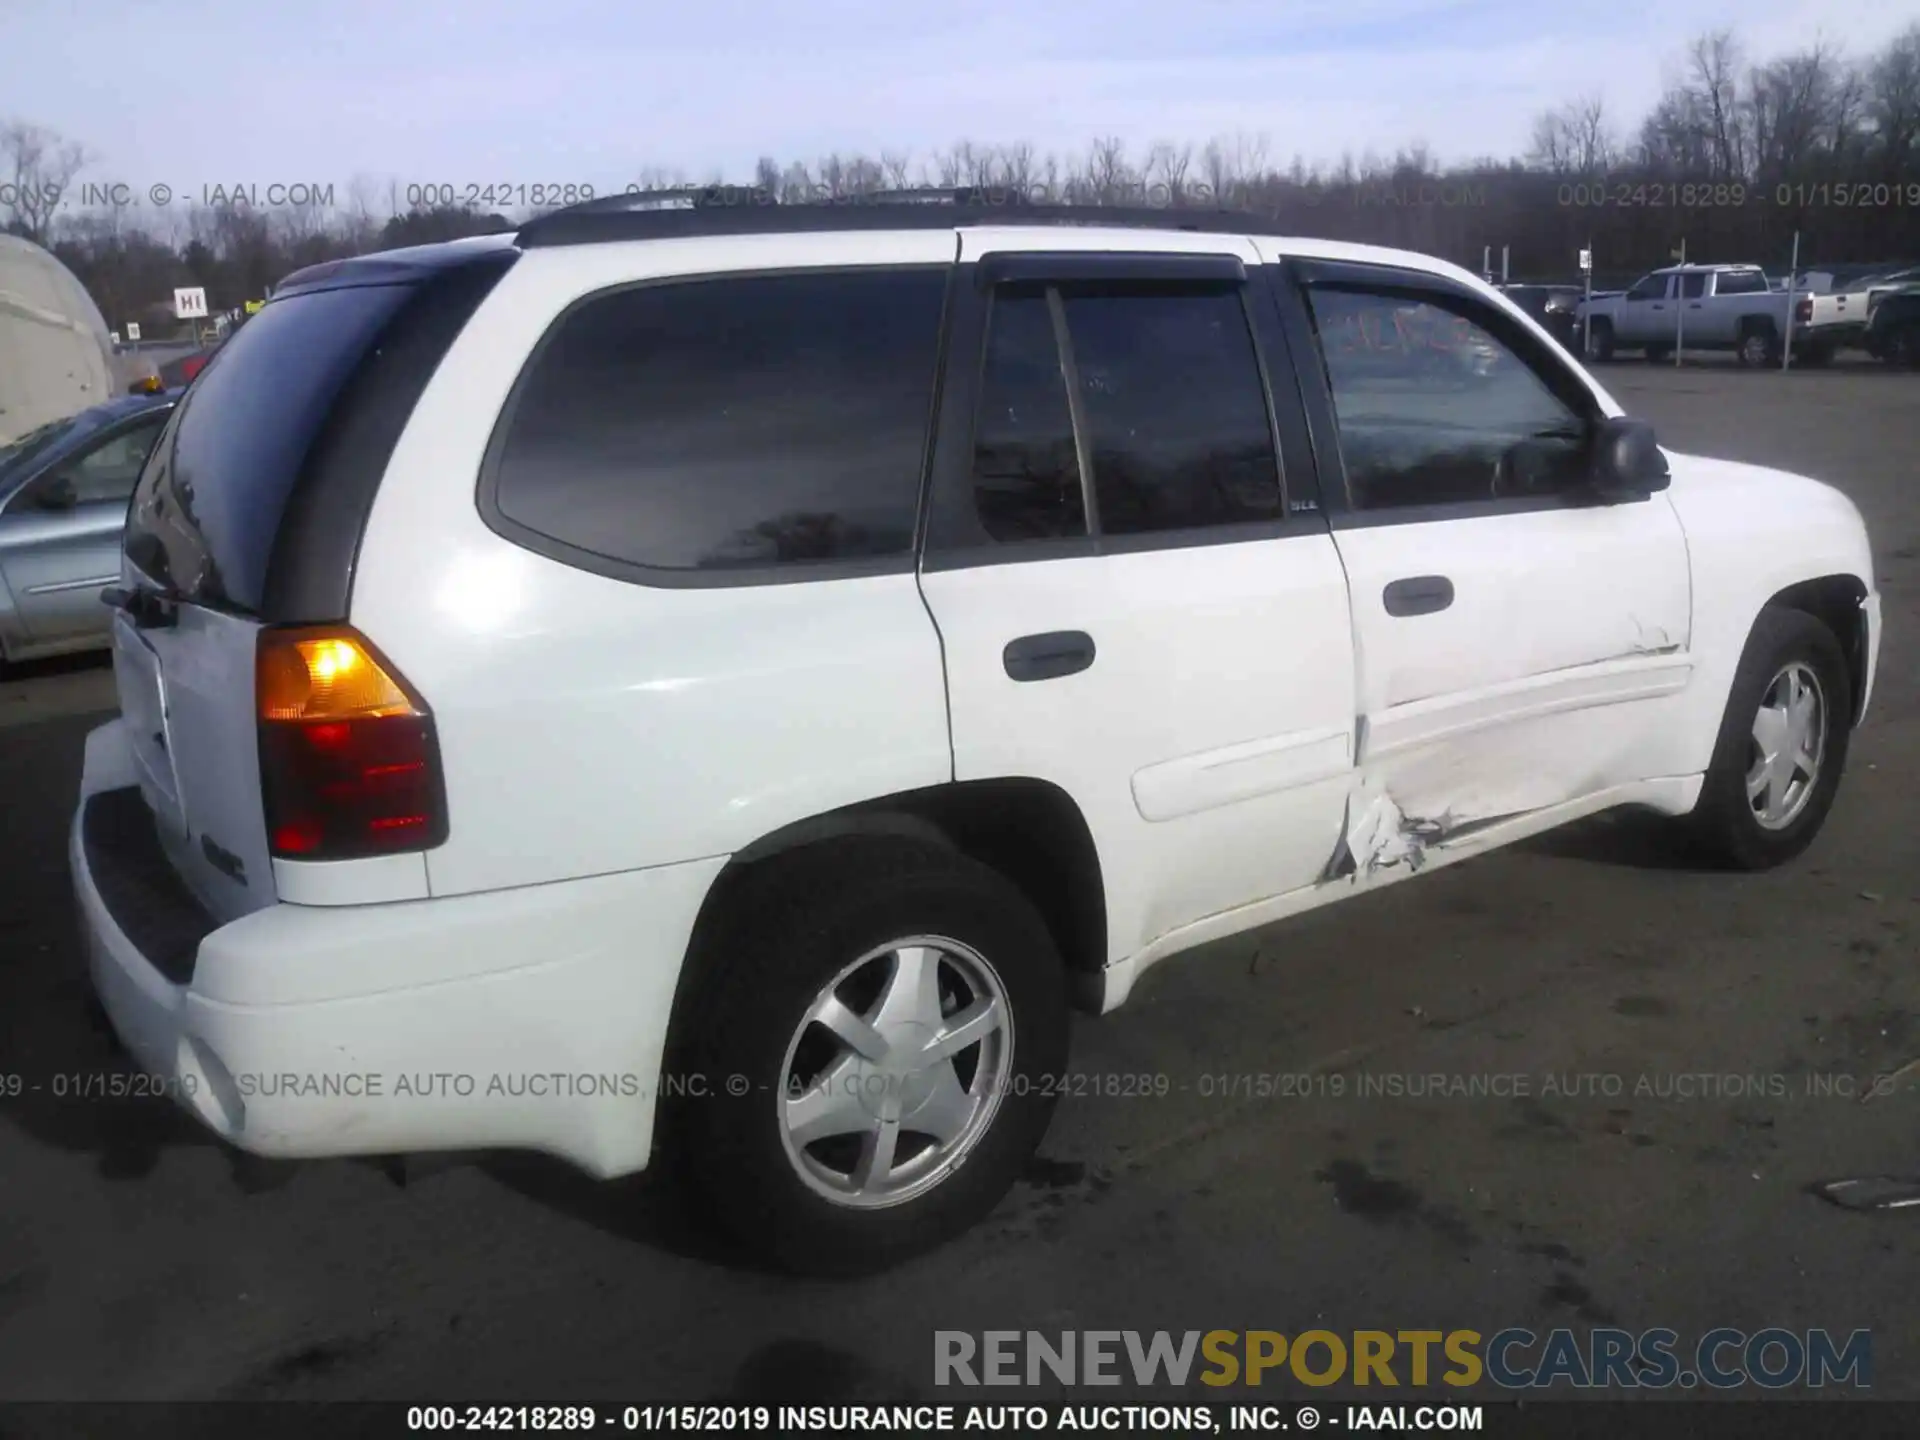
<point x="63" y="508"/>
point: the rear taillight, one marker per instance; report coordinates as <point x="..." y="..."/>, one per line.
<point x="349" y="765"/>
<point x="1803" y="311"/>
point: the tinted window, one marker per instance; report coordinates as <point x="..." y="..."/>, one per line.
<point x="1653" y="287"/>
<point x="730" y="423"/>
<point x="107" y="472"/>
<point x="24" y="448"/>
<point x="1433" y="409"/>
<point x="207" y="510"/>
<point x="1693" y="285"/>
<point x="1174" y="408"/>
<point x="1026" y="473"/>
<point x="1740" y="282"/>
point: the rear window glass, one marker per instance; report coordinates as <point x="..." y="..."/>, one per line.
<point x="208" y="506"/>
<point x="727" y="424"/>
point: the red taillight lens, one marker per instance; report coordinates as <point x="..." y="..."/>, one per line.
<point x="349" y="764"/>
<point x="1803" y="312"/>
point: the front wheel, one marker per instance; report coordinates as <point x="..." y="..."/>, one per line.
<point x="1782" y="744"/>
<point x="873" y="1044"/>
<point x="1903" y="348"/>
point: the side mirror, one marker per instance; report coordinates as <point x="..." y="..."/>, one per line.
<point x="1627" y="462"/>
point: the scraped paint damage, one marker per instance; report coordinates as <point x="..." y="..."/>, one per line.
<point x="1650" y="639"/>
<point x="1379" y="834"/>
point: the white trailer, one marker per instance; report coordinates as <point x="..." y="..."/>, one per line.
<point x="55" y="354"/>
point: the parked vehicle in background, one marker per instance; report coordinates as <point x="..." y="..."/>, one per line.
<point x="56" y="357"/>
<point x="780" y="655"/>
<point x="1703" y="307"/>
<point x="63" y="509"/>
<point x="1843" y="315"/>
<point x="1555" y="307"/>
<point x="178" y="373"/>
<point x="1893" y="334"/>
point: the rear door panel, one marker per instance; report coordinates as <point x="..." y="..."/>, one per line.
<point x="1208" y="744"/>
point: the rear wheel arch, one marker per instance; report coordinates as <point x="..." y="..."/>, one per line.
<point x="1029" y="830"/>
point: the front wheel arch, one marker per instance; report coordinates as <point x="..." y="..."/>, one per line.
<point x="1835" y="600"/>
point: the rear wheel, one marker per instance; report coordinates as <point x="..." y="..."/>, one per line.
<point x="1600" y="341"/>
<point x="1782" y="744"/>
<point x="873" y="1036"/>
<point x="1759" y="346"/>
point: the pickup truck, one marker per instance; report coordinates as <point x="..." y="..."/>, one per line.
<point x="1703" y="307"/>
<point x="1842" y="316"/>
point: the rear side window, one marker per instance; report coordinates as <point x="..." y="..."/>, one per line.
<point x="1175" y="409"/>
<point x="728" y="424"/>
<point x="207" y="510"/>
<point x="1173" y="427"/>
<point x="1026" y="472"/>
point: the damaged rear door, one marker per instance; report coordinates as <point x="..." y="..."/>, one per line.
<point x="1516" y="641"/>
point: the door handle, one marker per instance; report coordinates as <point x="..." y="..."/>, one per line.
<point x="1048" y="656"/>
<point x="1418" y="595"/>
<point x="1694" y="304"/>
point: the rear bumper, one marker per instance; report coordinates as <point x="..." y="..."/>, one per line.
<point x="533" y="1018"/>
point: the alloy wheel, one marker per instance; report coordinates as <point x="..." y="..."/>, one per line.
<point x="895" y="1072"/>
<point x="1788" y="745"/>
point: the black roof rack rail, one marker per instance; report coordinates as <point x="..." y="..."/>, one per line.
<point x="699" y="210"/>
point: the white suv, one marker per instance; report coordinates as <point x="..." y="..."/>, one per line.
<point x="722" y="679"/>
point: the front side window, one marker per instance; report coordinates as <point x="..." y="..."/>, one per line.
<point x="1653" y="287"/>
<point x="730" y="423"/>
<point x="1174" y="431"/>
<point x="1433" y="409"/>
<point x="109" y="471"/>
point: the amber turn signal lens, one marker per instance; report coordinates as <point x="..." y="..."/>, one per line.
<point x="309" y="676"/>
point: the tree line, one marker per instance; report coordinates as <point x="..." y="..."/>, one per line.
<point x="1737" y="156"/>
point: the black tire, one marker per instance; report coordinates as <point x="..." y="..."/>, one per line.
<point x="784" y="937"/>
<point x="1903" y="348"/>
<point x="1600" y="342"/>
<point x="1759" y="345"/>
<point x="1724" y="822"/>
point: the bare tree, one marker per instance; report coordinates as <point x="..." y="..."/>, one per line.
<point x="1714" y="62"/>
<point x="1893" y="103"/>
<point x="1791" y="105"/>
<point x="40" y="165"/>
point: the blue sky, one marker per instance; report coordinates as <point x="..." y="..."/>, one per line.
<point x="601" y="92"/>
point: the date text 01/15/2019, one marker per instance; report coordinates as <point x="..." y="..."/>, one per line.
<point x="1733" y="194"/>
